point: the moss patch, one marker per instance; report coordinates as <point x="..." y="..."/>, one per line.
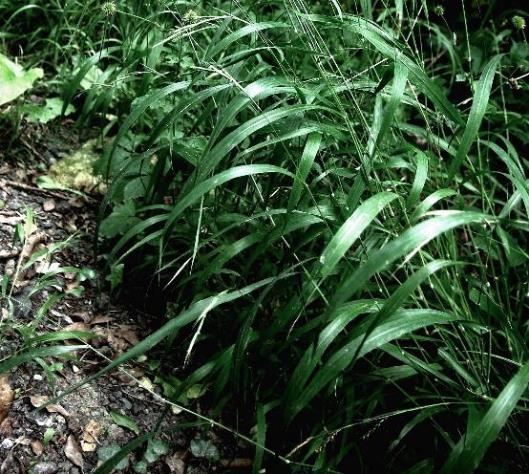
<point x="76" y="171"/>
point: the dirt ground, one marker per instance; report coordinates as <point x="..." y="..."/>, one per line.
<point x="81" y="430"/>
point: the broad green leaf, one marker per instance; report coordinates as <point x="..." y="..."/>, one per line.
<point x="124" y="421"/>
<point x="14" y="80"/>
<point x="155" y="449"/>
<point x="201" y="448"/>
<point x="44" y="113"/>
<point x="123" y="217"/>
<point x="118" y="457"/>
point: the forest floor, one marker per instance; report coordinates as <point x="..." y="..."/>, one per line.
<point x="88" y="426"/>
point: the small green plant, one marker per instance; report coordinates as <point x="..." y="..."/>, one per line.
<point x="14" y="80"/>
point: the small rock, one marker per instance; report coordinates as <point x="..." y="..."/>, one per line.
<point x="7" y="443"/>
<point x="40" y="419"/>
<point x="9" y="268"/>
<point x="37" y="377"/>
<point x="48" y="205"/>
<point x="126" y="404"/>
<point x="6" y="427"/>
<point x="45" y="467"/>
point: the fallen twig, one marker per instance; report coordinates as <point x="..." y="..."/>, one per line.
<point x="33" y="189"/>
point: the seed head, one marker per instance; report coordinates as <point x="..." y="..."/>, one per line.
<point x="191" y="16"/>
<point x="109" y="8"/>
<point x="439" y="10"/>
<point x="518" y="22"/>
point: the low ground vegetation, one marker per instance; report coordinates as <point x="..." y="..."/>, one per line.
<point x="324" y="205"/>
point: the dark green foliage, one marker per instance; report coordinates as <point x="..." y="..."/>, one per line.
<point x="331" y="198"/>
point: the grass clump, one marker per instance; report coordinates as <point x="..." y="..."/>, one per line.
<point x="334" y="201"/>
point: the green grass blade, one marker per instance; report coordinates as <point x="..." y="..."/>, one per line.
<point x="253" y="28"/>
<point x="472" y="446"/>
<point x="401" y="324"/>
<point x="400" y="79"/>
<point x="477" y="112"/>
<point x="409" y="241"/>
<point x="307" y="159"/>
<point x="421" y="173"/>
<point x="32" y="354"/>
<point x="430" y="201"/>
<point x="241" y="133"/>
<point x="351" y="230"/>
<point x="388" y="47"/>
<point x="183" y="319"/>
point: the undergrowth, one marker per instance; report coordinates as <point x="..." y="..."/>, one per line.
<point x="330" y="201"/>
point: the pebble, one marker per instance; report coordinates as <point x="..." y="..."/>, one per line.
<point x="37" y="377"/>
<point x="126" y="404"/>
<point x="45" y="467"/>
<point x="7" y="443"/>
<point x="40" y="419"/>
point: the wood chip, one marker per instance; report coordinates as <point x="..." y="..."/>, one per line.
<point x="237" y="463"/>
<point x="128" y="333"/>
<point x="176" y="464"/>
<point x="83" y="327"/>
<point x="6" y="396"/>
<point x="73" y="452"/>
<point x="6" y="428"/>
<point x="91" y="433"/>
<point x="8" y="253"/>
<point x="40" y="400"/>
<point x="102" y="319"/>
<point x="31" y="243"/>
<point x="37" y="447"/>
<point x="9" y="268"/>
